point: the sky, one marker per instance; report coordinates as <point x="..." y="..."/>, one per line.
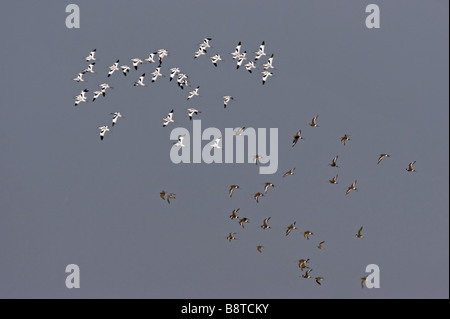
<point x="66" y="197"/>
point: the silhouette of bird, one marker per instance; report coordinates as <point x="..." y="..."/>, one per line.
<point x="333" y="180"/>
<point x="266" y="186"/>
<point x="359" y="234"/>
<point x="232" y="188"/>
<point x="345" y="138"/>
<point x="290" y="228"/>
<point x="380" y="158"/>
<point x="410" y="167"/>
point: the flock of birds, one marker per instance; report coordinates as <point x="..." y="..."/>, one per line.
<point x="182" y="81"/>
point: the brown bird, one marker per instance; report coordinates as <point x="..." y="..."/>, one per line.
<point x="302" y="264"/>
<point x="256" y="158"/>
<point x="333" y="162"/>
<point x="289" y="172"/>
<point x="359" y="234"/>
<point x="380" y="158"/>
<point x="162" y="194"/>
<point x="333" y="180"/>
<point x="410" y="167"/>
<point x="257" y="195"/>
<point x="307" y="233"/>
<point x="313" y="122"/>
<point x="170" y="196"/>
<point x="321" y="245"/>
<point x="319" y="279"/>
<point x="306" y="275"/>
<point x="296" y="137"/>
<point x="363" y="281"/>
<point x="290" y="228"/>
<point x="230" y="237"/>
<point x="265" y="224"/>
<point x="242" y="221"/>
<point x="259" y="248"/>
<point x="345" y="138"/>
<point x="266" y="186"/>
<point x="351" y="188"/>
<point x="232" y="188"/>
<point x="233" y="214"/>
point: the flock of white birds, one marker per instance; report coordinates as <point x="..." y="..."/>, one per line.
<point x="182" y="81"/>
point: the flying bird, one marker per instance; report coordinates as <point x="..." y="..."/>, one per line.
<point x="103" y="129"/>
<point x="232" y="188"/>
<point x="260" y="52"/>
<point x="230" y="237"/>
<point x="116" y="115"/>
<point x="241" y="59"/>
<point x="125" y="69"/>
<point x="193" y="93"/>
<point x="234" y="214"/>
<point x="314" y="121"/>
<point x="319" y="279"/>
<point x="140" y="82"/>
<point x="257" y="195"/>
<point x="259" y="248"/>
<point x="256" y="158"/>
<point x="290" y="228"/>
<point x="307" y="233"/>
<point x="321" y="245"/>
<point x="173" y="72"/>
<point x="380" y="158"/>
<point x="351" y="188"/>
<point x="91" y="57"/>
<point x="168" y="119"/>
<point x="249" y="66"/>
<point x="359" y="234"/>
<point x="170" y="196"/>
<point x="363" y="281"/>
<point x="180" y="141"/>
<point x="289" y="172"/>
<point x="306" y="275"/>
<point x="265" y="224"/>
<point x="296" y="137"/>
<point x="136" y="62"/>
<point x="242" y="221"/>
<point x="267" y="185"/>
<point x="79" y="77"/>
<point x="345" y="138"/>
<point x="96" y="95"/>
<point x="162" y="194"/>
<point x="237" y="51"/>
<point x="90" y="68"/>
<point x="216" y="143"/>
<point x="302" y="264"/>
<point x="157" y="73"/>
<point x="162" y="53"/>
<point x="216" y="58"/>
<point x="410" y="167"/>
<point x="151" y="57"/>
<point x="334" y="179"/>
<point x="114" y="67"/>
<point x="191" y="112"/>
<point x="333" y="162"/>
<point x="269" y="64"/>
<point x="226" y="99"/>
<point x="239" y="130"/>
<point x="266" y="74"/>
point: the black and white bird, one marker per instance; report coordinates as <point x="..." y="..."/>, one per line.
<point x="269" y="64"/>
<point x="241" y="58"/>
<point x="249" y="66"/>
<point x="114" y="67"/>
<point x="162" y="53"/>
<point x="136" y="62"/>
<point x="96" y="95"/>
<point x="82" y="96"/>
<point x="103" y="129"/>
<point x="115" y="115"/>
<point x="266" y="74"/>
<point x="237" y="51"/>
<point x="260" y="52"/>
<point x="90" y="68"/>
<point x="192" y="111"/>
<point x="173" y="72"/>
<point x="125" y="69"/>
<point x="216" y="143"/>
<point x="157" y="73"/>
<point x="79" y="99"/>
<point x="199" y="53"/>
<point x="193" y="93"/>
<point x="91" y="57"/>
<point x="227" y="99"/>
<point x="151" y="57"/>
<point x="140" y="82"/>
<point x="168" y="119"/>
<point x="79" y="77"/>
<point x="216" y="58"/>
<point x="105" y="86"/>
<point x="180" y="141"/>
<point x="205" y="44"/>
<point x="182" y="80"/>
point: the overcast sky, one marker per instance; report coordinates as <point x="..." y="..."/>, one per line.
<point x="68" y="198"/>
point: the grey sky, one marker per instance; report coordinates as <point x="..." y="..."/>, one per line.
<point x="67" y="197"/>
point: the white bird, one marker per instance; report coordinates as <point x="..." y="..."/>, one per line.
<point x="162" y="53"/>
<point x="125" y="69"/>
<point x="182" y="80"/>
<point x="193" y="93"/>
<point x="269" y="64"/>
<point x="266" y="74"/>
<point x="180" y="141"/>
<point x="96" y="95"/>
<point x="249" y="66"/>
<point x="260" y="52"/>
<point x="103" y="129"/>
<point x="151" y="57"/>
<point x="116" y="115"/>
<point x="79" y="99"/>
<point x="156" y="74"/>
<point x="82" y="94"/>
<point x="205" y="43"/>
<point x="114" y="67"/>
<point x="173" y="72"/>
<point x="216" y="58"/>
<point x="91" y="57"/>
<point x="199" y="53"/>
<point x="192" y="111"/>
<point x="168" y="119"/>
<point x="79" y="78"/>
<point x="90" y="68"/>
<point x="140" y="82"/>
<point x="136" y="62"/>
<point x="238" y="131"/>
<point x="241" y="59"/>
<point x="105" y="86"/>
<point x="216" y="143"/>
<point x="237" y="51"/>
<point x="226" y="99"/>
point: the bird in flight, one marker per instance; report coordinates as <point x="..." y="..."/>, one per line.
<point x="216" y="58"/>
<point x="334" y="180"/>
<point x="410" y="167"/>
<point x="302" y="264"/>
<point x="90" y="68"/>
<point x="260" y="52"/>
<point x="333" y="162"/>
<point x="267" y="185"/>
<point x="232" y="188"/>
<point x="307" y="233"/>
<point x="91" y="57"/>
<point x="256" y="158"/>
<point x="289" y="172"/>
<point x="114" y="67"/>
<point x="319" y="279"/>
<point x="157" y="73"/>
<point x="306" y="275"/>
<point x="116" y="115"/>
<point x="296" y="137"/>
<point x="136" y="62"/>
<point x="345" y="138"/>
<point x="103" y="129"/>
<point x="230" y="237"/>
<point x="191" y="112"/>
<point x="380" y="158"/>
<point x="257" y="195"/>
<point x="321" y="245"/>
<point x="237" y="51"/>
<point x="290" y="228"/>
<point x="351" y="188"/>
<point x="125" y="69"/>
<point x="216" y="143"/>
<point x="313" y="121"/>
<point x="79" y="77"/>
<point x="266" y="74"/>
<point x="226" y="99"/>
<point x="193" y="93"/>
<point x="359" y="234"/>
<point x="259" y="248"/>
<point x="243" y="220"/>
<point x="168" y="119"/>
<point x="180" y="141"/>
<point x="363" y="281"/>
<point x="265" y="224"/>
<point x="170" y="196"/>
<point x="162" y="194"/>
<point x="234" y="214"/>
<point x="249" y="66"/>
<point x="140" y="82"/>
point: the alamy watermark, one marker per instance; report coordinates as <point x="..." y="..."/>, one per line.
<point x="226" y="148"/>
